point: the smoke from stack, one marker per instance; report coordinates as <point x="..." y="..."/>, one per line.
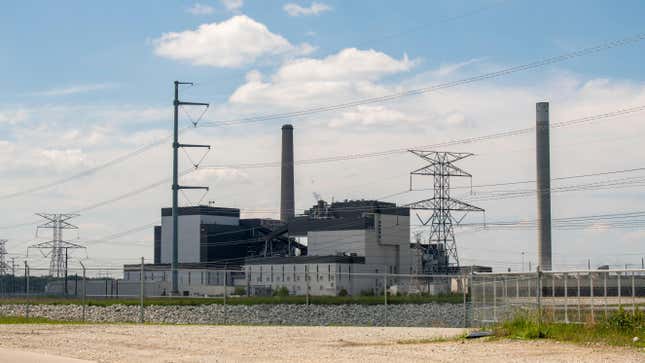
<point x="287" y="199"/>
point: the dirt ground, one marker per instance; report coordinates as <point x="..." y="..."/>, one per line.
<point x="163" y="343"/>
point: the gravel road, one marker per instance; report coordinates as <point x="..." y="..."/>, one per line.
<point x="166" y="343"/>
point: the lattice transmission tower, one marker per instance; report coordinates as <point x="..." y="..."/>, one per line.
<point x="441" y="167"/>
<point x="4" y="267"/>
<point x="58" y="248"/>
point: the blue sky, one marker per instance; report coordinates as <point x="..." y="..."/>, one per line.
<point x="86" y="82"/>
<point x="47" y="45"/>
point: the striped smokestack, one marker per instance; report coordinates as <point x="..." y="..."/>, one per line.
<point x="287" y="199"/>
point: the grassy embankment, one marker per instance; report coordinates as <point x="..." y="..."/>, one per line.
<point x="619" y="329"/>
<point x="243" y="300"/>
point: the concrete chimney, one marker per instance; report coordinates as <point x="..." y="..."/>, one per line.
<point x="543" y="162"/>
<point x="287" y="199"/>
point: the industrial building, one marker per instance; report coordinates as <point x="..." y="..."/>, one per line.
<point x="329" y="249"/>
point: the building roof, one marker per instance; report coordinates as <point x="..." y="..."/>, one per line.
<point x="203" y="210"/>
<point x="303" y="260"/>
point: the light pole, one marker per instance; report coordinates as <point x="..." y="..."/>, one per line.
<point x="522" y="261"/>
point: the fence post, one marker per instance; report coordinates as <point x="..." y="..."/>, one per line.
<point x="565" y="277"/>
<point x="84" y="292"/>
<point x="592" y="302"/>
<point x="141" y="291"/>
<point x="385" y="288"/>
<point x="473" y="300"/>
<point x="605" y="291"/>
<point x="27" y="290"/>
<point x="484" y="307"/>
<point x="463" y="288"/>
<point x="495" y="298"/>
<point x="620" y="302"/>
<point x="539" y="294"/>
<point x="633" y="294"/>
<point x="307" y="281"/>
<point x="225" y="287"/>
<point x="578" y="299"/>
<point x="385" y="294"/>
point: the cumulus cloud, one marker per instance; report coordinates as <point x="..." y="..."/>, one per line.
<point x="200" y="9"/>
<point x="232" y="5"/>
<point x="70" y="90"/>
<point x="13" y="117"/>
<point x="371" y="116"/>
<point x="232" y="43"/>
<point x="314" y="9"/>
<point x="215" y="176"/>
<point x="350" y="72"/>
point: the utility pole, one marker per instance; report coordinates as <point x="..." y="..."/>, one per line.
<point x="57" y="222"/>
<point x="175" y="182"/>
<point x="441" y="166"/>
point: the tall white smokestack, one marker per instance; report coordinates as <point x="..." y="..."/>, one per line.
<point x="287" y="199"/>
<point x="543" y="161"/>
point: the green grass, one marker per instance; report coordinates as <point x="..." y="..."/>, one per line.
<point x="618" y="329"/>
<point x="252" y="300"/>
<point x="34" y="320"/>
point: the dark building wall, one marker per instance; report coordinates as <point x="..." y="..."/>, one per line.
<point x="157" y="252"/>
<point x="232" y="243"/>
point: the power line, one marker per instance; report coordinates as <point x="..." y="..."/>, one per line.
<point x="524" y="67"/>
<point x="469" y="140"/>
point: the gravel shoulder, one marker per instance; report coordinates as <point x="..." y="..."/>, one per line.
<point x="166" y="343"/>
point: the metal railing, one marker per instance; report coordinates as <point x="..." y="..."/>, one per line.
<point x="576" y="296"/>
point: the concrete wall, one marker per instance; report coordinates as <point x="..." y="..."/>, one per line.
<point x="189" y="235"/>
<point x="331" y="243"/>
<point x="325" y="279"/>
<point x="389" y="244"/>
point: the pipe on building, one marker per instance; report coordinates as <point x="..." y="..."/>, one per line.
<point x="287" y="199"/>
<point x="543" y="163"/>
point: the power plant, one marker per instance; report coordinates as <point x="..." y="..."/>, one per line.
<point x="352" y="236"/>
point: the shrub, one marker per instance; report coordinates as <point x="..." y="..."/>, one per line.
<point x="239" y="290"/>
<point x="367" y="292"/>
<point x="342" y="292"/>
<point x="281" y="291"/>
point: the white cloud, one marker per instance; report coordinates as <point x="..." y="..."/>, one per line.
<point x="211" y="177"/>
<point x="347" y="74"/>
<point x="371" y="116"/>
<point x="314" y="9"/>
<point x="200" y="9"/>
<point x="70" y="90"/>
<point x="235" y="42"/>
<point x="452" y="68"/>
<point x="13" y="117"/>
<point x="232" y="5"/>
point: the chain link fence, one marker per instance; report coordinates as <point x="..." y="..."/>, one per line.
<point x="563" y="296"/>
<point x="312" y="294"/>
